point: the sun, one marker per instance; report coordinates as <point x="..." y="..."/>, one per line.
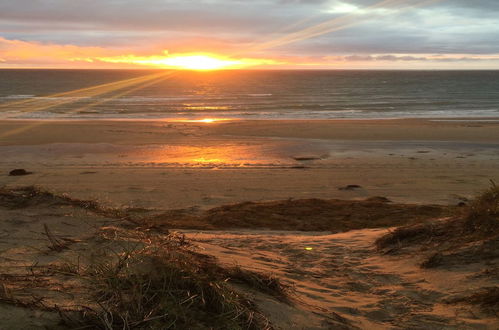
<point x="208" y="120"/>
<point x="199" y="62"/>
<point x="202" y="120"/>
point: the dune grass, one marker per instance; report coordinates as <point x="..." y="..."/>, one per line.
<point x="157" y="284"/>
<point x="138" y="279"/>
<point x="476" y="223"/>
<point x="486" y="298"/>
<point x="483" y="212"/>
<point x="411" y="234"/>
<point x="141" y="280"/>
<point x="301" y="215"/>
<point x="486" y="204"/>
<point x="293" y="214"/>
<point x="31" y="195"/>
<point x="266" y="283"/>
<point x="153" y="292"/>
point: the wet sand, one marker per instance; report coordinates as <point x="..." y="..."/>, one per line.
<point x="167" y="165"/>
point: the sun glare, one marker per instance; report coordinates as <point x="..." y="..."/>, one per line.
<point x="203" y="120"/>
<point x="208" y="120"/>
<point x="188" y="61"/>
<point x="199" y="62"/>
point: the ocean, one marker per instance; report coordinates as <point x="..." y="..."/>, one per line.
<point x="144" y="94"/>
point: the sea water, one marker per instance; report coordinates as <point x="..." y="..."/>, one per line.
<point x="245" y="94"/>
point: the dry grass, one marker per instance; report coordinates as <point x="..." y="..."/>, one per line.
<point x="482" y="215"/>
<point x="409" y="234"/>
<point x="30" y="196"/>
<point x="10" y="285"/>
<point x="150" y="281"/>
<point x="167" y="295"/>
<point x="479" y="220"/>
<point x="146" y="287"/>
<point x="157" y="284"/>
<point x="269" y="284"/>
<point x="470" y="235"/>
<point x="56" y="243"/>
<point x="301" y="215"/>
<point x="433" y="260"/>
<point x="486" y="298"/>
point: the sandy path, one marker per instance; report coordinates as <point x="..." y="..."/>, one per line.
<point x="342" y="273"/>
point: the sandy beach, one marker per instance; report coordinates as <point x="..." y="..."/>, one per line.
<point x="148" y="179"/>
<point x="183" y="164"/>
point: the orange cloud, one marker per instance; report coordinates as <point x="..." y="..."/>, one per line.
<point x="32" y="54"/>
<point x="18" y="52"/>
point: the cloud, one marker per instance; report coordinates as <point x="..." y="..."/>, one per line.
<point x="35" y="53"/>
<point x="296" y="28"/>
<point x="410" y="58"/>
<point x="18" y="52"/>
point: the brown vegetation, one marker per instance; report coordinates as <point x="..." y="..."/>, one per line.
<point x="302" y="215"/>
<point x="293" y="214"/>
<point x="126" y="278"/>
<point x="130" y="277"/>
<point x="486" y="298"/>
<point x="469" y="236"/>
<point x="163" y="288"/>
<point x="22" y="197"/>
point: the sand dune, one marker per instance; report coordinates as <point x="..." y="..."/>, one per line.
<point x="339" y="280"/>
<point x="343" y="273"/>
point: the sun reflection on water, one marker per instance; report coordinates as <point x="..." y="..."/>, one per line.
<point x="201" y="120"/>
<point x="232" y="155"/>
<point x="206" y="107"/>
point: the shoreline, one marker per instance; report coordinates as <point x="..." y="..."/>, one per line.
<point x="335" y="129"/>
<point x="201" y="118"/>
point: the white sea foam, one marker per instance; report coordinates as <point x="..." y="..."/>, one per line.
<point x="260" y="95"/>
<point x="17" y="97"/>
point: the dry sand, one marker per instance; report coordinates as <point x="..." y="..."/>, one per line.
<point x="342" y="273"/>
<point x="339" y="281"/>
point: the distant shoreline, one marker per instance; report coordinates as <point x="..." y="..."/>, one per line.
<point x="229" y="119"/>
<point x="256" y="69"/>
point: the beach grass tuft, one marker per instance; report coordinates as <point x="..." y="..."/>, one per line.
<point x="56" y="243"/>
<point x="406" y="234"/>
<point x="266" y="283"/>
<point x="468" y="236"/>
<point x="161" y="286"/>
<point x="483" y="212"/>
<point x="27" y="196"/>
<point x="487" y="298"/>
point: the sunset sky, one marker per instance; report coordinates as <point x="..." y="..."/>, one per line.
<point x="301" y="34"/>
